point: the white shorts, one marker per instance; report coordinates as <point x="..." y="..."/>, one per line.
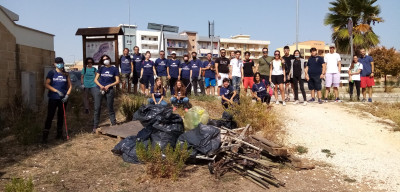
<point x="332" y="80"/>
<point x="223" y="76"/>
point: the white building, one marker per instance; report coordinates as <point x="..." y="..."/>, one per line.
<point x="128" y="40"/>
<point x="244" y="43"/>
<point x="149" y="41"/>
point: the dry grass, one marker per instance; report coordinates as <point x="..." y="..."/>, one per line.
<point x="383" y="110"/>
<point x="129" y="104"/>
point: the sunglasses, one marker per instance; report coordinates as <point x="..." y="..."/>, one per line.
<point x="223" y="52"/>
<point x="265" y="51"/>
<point x="276" y="54"/>
<point x="90" y="62"/>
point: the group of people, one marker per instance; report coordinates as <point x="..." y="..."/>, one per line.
<point x="231" y="75"/>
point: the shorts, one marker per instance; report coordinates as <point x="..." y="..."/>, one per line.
<point x="148" y="79"/>
<point x="332" y="80"/>
<point x="210" y="82"/>
<point x="315" y="83"/>
<point x="277" y="79"/>
<point x="265" y="78"/>
<point x="164" y="81"/>
<point x="248" y="82"/>
<point x="136" y="76"/>
<point x="125" y="77"/>
<point x="223" y="76"/>
<point x="367" y="82"/>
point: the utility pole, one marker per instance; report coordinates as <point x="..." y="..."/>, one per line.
<point x="211" y="35"/>
<point x="350" y="29"/>
<point x="297" y="26"/>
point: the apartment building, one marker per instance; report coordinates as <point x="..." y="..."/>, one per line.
<point x="244" y="43"/>
<point x="149" y="41"/>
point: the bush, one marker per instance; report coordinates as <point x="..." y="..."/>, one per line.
<point x="377" y="83"/>
<point x="331" y="95"/>
<point x="159" y="165"/>
<point x="130" y="104"/>
<point x="19" y="185"/>
<point x="391" y="83"/>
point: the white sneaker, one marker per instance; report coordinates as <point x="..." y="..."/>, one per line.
<point x="296" y="102"/>
<point x="305" y="103"/>
<point x="284" y="103"/>
<point x="277" y="102"/>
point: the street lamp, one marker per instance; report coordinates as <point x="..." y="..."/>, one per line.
<point x="297" y="25"/>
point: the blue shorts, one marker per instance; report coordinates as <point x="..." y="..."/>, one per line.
<point x="315" y="83"/>
<point x="210" y="82"/>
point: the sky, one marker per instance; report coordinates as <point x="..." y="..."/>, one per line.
<point x="270" y="20"/>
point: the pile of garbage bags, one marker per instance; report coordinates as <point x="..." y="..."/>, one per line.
<point x="194" y="116"/>
<point x="226" y="121"/>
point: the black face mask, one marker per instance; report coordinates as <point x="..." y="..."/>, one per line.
<point x="186" y="61"/>
<point x="194" y="57"/>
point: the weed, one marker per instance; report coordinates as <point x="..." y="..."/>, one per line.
<point x="130" y="104"/>
<point x="301" y="149"/>
<point x="331" y="95"/>
<point x="124" y="164"/>
<point x="328" y="153"/>
<point x="204" y="98"/>
<point x="20" y="185"/>
<point x="396" y="129"/>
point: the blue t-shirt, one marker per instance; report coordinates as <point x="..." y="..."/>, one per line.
<point x="185" y="73"/>
<point x="88" y="77"/>
<point x="125" y="64"/>
<point x="161" y="67"/>
<point x="226" y="92"/>
<point x="260" y="89"/>
<point x="107" y="75"/>
<point x="315" y="65"/>
<point x="173" y="66"/>
<point x="148" y="68"/>
<point x="209" y="73"/>
<point x="138" y="59"/>
<point x="366" y="62"/>
<point x="59" y="82"/>
<point x="195" y="65"/>
<point x="157" y="93"/>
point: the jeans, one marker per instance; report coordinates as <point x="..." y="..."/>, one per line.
<point x="86" y="91"/>
<point x="236" y="83"/>
<point x="188" y="86"/>
<point x="296" y="82"/>
<point x="351" y="86"/>
<point x="151" y="101"/>
<point x="198" y="82"/>
<point x="172" y="82"/>
<point x="110" y="105"/>
<point x="266" y="99"/>
<point x="53" y="105"/>
<point x="175" y="101"/>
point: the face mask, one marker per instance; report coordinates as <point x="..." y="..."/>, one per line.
<point x="297" y="56"/>
<point x="60" y="65"/>
<point x="186" y="61"/>
<point x="106" y="62"/>
<point x="194" y="57"/>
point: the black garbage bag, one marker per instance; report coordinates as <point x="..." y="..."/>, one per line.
<point x="148" y="114"/>
<point x="204" y="139"/>
<point x="226" y="121"/>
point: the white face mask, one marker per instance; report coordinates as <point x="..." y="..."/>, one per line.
<point x="106" y="62"/>
<point x="297" y="56"/>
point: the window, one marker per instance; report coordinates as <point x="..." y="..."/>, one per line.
<point x="142" y="38"/>
<point x="155" y="39"/>
<point x="307" y="50"/>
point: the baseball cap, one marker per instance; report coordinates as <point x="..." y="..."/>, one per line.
<point x="332" y="45"/>
<point x="173" y="52"/>
<point x="59" y="60"/>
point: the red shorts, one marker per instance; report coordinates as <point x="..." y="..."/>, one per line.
<point x="367" y="82"/>
<point x="248" y="82"/>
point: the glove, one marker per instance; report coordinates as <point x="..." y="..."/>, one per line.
<point x="83" y="86"/>
<point x="131" y="75"/>
<point x="60" y="93"/>
<point x="155" y="76"/>
<point x="199" y="77"/>
<point x="65" y="99"/>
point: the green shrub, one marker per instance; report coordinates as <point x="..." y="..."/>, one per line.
<point x="301" y="149"/>
<point x="331" y="95"/>
<point x="391" y="83"/>
<point x="19" y="185"/>
<point x="130" y="104"/>
<point x="157" y="166"/>
<point x="377" y="83"/>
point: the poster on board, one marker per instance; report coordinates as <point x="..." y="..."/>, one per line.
<point x="96" y="49"/>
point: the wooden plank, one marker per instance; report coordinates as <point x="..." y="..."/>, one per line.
<point x="122" y="131"/>
<point x="274" y="151"/>
<point x="265" y="141"/>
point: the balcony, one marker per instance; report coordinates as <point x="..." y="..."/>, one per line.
<point x="152" y="51"/>
<point x="148" y="42"/>
<point x="231" y="49"/>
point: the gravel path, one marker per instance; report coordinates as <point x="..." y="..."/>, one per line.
<point x="362" y="148"/>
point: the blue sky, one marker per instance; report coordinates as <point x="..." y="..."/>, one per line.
<point x="262" y="19"/>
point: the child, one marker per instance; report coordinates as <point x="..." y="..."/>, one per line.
<point x="227" y="94"/>
<point x="261" y="92"/>
<point x="157" y="93"/>
<point x="179" y="96"/>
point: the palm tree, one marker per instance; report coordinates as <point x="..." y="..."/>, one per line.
<point x="363" y="13"/>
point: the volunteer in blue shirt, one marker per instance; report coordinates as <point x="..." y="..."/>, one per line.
<point x="185" y="74"/>
<point x="179" y="97"/>
<point x="157" y="93"/>
<point x="173" y="71"/>
<point x="126" y="65"/>
<point x="195" y="65"/>
<point x="137" y="60"/>
<point x="315" y="72"/>
<point x="367" y="75"/>
<point x="58" y="83"/>
<point x="147" y="73"/>
<point x="87" y="81"/>
<point x="259" y="89"/>
<point x="227" y="93"/>
<point x="106" y="78"/>
<point x="161" y="68"/>
<point x="209" y="68"/>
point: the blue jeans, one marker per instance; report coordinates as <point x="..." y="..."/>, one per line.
<point x="175" y="101"/>
<point x="236" y="83"/>
<point x="110" y="105"/>
<point x="151" y="101"/>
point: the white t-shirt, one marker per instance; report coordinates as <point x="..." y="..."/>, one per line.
<point x="277" y="67"/>
<point x="356" y="67"/>
<point x="236" y="67"/>
<point x="331" y="60"/>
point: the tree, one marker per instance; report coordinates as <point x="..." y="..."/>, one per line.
<point x="386" y="62"/>
<point x="363" y="13"/>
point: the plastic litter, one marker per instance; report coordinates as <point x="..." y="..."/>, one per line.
<point x="226" y="121"/>
<point x="194" y="116"/>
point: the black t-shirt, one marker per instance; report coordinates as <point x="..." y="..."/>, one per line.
<point x="223" y="64"/>
<point x="296" y="68"/>
<point x="248" y="68"/>
<point x="288" y="63"/>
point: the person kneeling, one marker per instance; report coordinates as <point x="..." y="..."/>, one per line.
<point x="259" y="89"/>
<point x="228" y="94"/>
<point x="179" y="96"/>
<point x="157" y="94"/>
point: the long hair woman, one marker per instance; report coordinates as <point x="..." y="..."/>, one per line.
<point x="298" y="76"/>
<point x="260" y="89"/>
<point x="277" y="76"/>
<point x="87" y="81"/>
<point x="157" y="93"/>
<point x="179" y="96"/>
<point x="354" y="77"/>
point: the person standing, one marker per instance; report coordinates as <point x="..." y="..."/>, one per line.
<point x="58" y="83"/>
<point x="333" y="67"/>
<point x="260" y="90"/>
<point x="289" y="83"/>
<point x="147" y="73"/>
<point x="277" y="76"/>
<point x="185" y="74"/>
<point x="248" y="72"/>
<point x="209" y="68"/>
<point x="157" y="93"/>
<point x="263" y="65"/>
<point x="173" y="71"/>
<point x="137" y="60"/>
<point x="195" y="66"/>
<point x="106" y="78"/>
<point x="298" y="76"/>
<point x="161" y="68"/>
<point x="87" y="82"/>
<point x="126" y="65"/>
<point x="354" y="77"/>
<point x="236" y="71"/>
<point x="367" y="75"/>
<point x="315" y="72"/>
<point x="221" y="68"/>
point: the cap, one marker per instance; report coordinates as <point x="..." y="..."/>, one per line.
<point x="59" y="60"/>
<point x="332" y="45"/>
<point x="173" y="52"/>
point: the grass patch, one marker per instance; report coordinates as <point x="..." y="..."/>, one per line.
<point x="383" y="110"/>
<point x="328" y="153"/>
<point x="301" y="150"/>
<point x="203" y="98"/>
<point x="331" y="95"/>
<point x="20" y="185"/>
<point x="129" y="104"/>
